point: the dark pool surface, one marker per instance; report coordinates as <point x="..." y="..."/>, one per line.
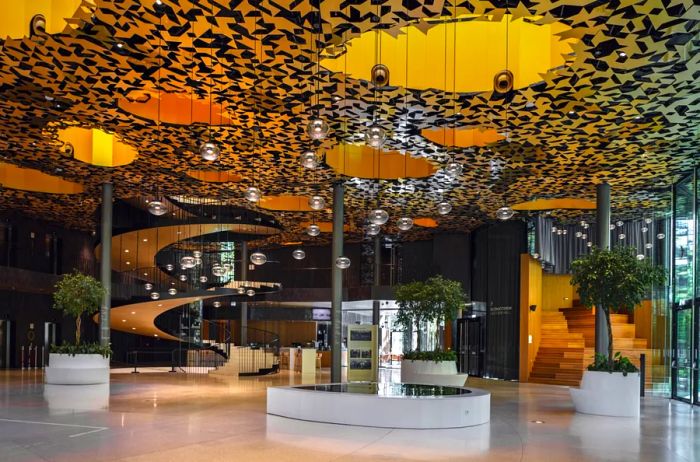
<point x="389" y="390"/>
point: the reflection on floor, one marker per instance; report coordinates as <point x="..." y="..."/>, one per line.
<point x="178" y="417"/>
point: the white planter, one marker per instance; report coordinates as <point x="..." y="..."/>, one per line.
<point x="432" y="373"/>
<point x="76" y="370"/>
<point x="603" y="393"/>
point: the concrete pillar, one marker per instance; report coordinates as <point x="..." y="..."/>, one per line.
<point x="106" y="261"/>
<point x="377" y="283"/>
<point x="244" y="304"/>
<point x="603" y="224"/>
<point x="337" y="284"/>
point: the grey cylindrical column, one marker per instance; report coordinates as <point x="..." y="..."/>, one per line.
<point x="603" y="223"/>
<point x="244" y="304"/>
<point x="106" y="261"/>
<point x="377" y="283"/>
<point x="337" y="284"/>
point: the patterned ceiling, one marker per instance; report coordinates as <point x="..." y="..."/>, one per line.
<point x="624" y="107"/>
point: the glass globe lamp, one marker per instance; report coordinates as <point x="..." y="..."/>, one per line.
<point x="157" y="208"/>
<point x="579" y="234"/>
<point x="375" y="136"/>
<point x="554" y="229"/>
<point x="317" y="129"/>
<point x="188" y="262"/>
<point x="619" y="223"/>
<point x="197" y="254"/>
<point x="253" y="194"/>
<point x="589" y="244"/>
<point x="217" y="304"/>
<point x="313" y="230"/>
<point x="647" y="220"/>
<point x="240" y="290"/>
<point x="404" y="223"/>
<point x="342" y="262"/>
<point x="203" y="279"/>
<point x="378" y="216"/>
<point x="155" y="295"/>
<point x="621" y="236"/>
<point x="309" y="159"/>
<point x="209" y="151"/>
<point x="258" y="258"/>
<point x="169" y="267"/>
<point x="373" y="229"/>
<point x="250" y="292"/>
<point x="584" y="236"/>
<point x="298" y="254"/>
<point x="612" y="227"/>
<point x="453" y="169"/>
<point x="644" y="229"/>
<point x="640" y="256"/>
<point x="183" y="277"/>
<point x="172" y="291"/>
<point x="218" y="270"/>
<point x="148" y="286"/>
<point x="505" y="213"/>
<point x="660" y="236"/>
<point x="648" y="245"/>
<point x="317" y="202"/>
<point x="443" y="208"/>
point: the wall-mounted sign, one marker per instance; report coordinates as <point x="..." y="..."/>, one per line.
<point x="362" y="353"/>
<point x="321" y="314"/>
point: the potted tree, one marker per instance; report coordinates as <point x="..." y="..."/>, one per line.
<point x="421" y="304"/>
<point x="79" y="363"/>
<point x="612" y="280"/>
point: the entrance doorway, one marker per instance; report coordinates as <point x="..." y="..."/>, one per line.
<point x="470" y="346"/>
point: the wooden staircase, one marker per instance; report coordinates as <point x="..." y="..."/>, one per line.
<point x="567" y="345"/>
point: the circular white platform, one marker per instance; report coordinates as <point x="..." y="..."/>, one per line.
<point x="386" y="405"/>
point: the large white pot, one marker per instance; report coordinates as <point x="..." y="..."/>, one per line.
<point x="605" y="393"/>
<point x="77" y="369"/>
<point x="432" y="373"/>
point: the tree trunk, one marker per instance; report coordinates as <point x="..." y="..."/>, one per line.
<point x="77" y="330"/>
<point x="610" y="338"/>
<point x="418" y="335"/>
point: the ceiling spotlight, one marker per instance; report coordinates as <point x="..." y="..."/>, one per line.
<point x="317" y="129"/>
<point x="258" y="258"/>
<point x="313" y="230"/>
<point x="443" y="208"/>
<point x="309" y="159"/>
<point x="252" y="194"/>
<point x="404" y="223"/>
<point x="298" y="254"/>
<point x="453" y="170"/>
<point x="373" y="229"/>
<point x="209" y="151"/>
<point x="378" y="216"/>
<point x="505" y="213"/>
<point x="317" y="203"/>
<point x="375" y="136"/>
<point x="157" y="208"/>
<point x="342" y="262"/>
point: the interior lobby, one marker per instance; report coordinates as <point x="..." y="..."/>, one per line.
<point x="321" y="230"/>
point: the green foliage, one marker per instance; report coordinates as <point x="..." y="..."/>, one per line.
<point x="77" y="293"/>
<point x="434" y="300"/>
<point x="614" y="280"/>
<point x="437" y="355"/>
<point x="620" y="364"/>
<point x="84" y="349"/>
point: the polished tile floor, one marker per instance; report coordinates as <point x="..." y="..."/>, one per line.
<point x="178" y="417"/>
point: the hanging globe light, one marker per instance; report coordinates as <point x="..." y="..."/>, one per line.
<point x="375" y="136"/>
<point x="172" y="291"/>
<point x="621" y="236"/>
<point x="589" y="244"/>
<point x="169" y="267"/>
<point x="584" y="236"/>
<point x="583" y="223"/>
<point x="579" y="234"/>
<point x="640" y="256"/>
<point x="505" y="213"/>
<point x="148" y="286"/>
<point x="647" y="220"/>
<point x="554" y="229"/>
<point x="317" y="203"/>
<point x="217" y="304"/>
<point x="564" y="232"/>
<point x="182" y="277"/>
<point x="559" y="232"/>
<point x="453" y="170"/>
<point x="619" y="223"/>
<point x="298" y="254"/>
<point x="157" y="208"/>
<point x="585" y="226"/>
<point x="228" y="267"/>
<point x="342" y="262"/>
<point x="240" y="290"/>
<point x="197" y="254"/>
<point x="443" y="208"/>
<point x="209" y="151"/>
<point x="155" y="295"/>
<point x="317" y="129"/>
<point x="218" y="270"/>
<point x="309" y="159"/>
<point x="535" y="256"/>
<point x="250" y="292"/>
<point x="648" y="245"/>
<point x="660" y="236"/>
<point x="404" y="223"/>
<point x="252" y="194"/>
<point x="203" y="279"/>
<point x="612" y="227"/>
<point x="378" y="216"/>
<point x="258" y="258"/>
<point x="644" y="229"/>
<point x="187" y="262"/>
<point x="313" y="230"/>
<point x="373" y="229"/>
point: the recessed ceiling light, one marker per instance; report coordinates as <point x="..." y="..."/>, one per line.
<point x="133" y="328"/>
<point x="128" y="263"/>
<point x="120" y="45"/>
<point x="160" y="304"/>
<point x="155" y="335"/>
<point x="133" y="312"/>
<point x="622" y="54"/>
<point x="572" y="112"/>
<point x="145" y="239"/>
<point x="159" y="2"/>
<point x="126" y="250"/>
<point x="145" y="274"/>
<point x="537" y="421"/>
<point x="123" y="320"/>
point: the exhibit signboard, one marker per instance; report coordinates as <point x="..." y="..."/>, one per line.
<point x="362" y="353"/>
